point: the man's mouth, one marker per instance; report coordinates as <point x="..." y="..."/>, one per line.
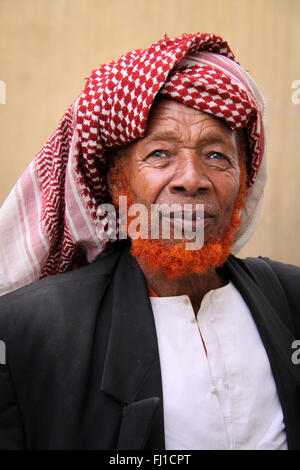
<point x="188" y="222"/>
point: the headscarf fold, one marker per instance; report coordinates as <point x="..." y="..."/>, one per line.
<point x="49" y="222"/>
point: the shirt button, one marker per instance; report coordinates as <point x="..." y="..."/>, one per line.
<point x="186" y="300"/>
<point x="212" y="389"/>
<point x="193" y="320"/>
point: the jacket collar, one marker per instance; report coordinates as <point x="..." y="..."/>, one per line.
<point x="132" y="374"/>
<point x="132" y="346"/>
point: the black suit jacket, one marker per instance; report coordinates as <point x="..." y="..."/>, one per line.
<point x="82" y="366"/>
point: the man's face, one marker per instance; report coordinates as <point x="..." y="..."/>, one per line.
<point x="186" y="157"/>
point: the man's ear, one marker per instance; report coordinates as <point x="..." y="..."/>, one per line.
<point x="115" y="157"/>
<point x="113" y="177"/>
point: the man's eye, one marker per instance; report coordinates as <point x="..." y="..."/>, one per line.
<point x="158" y="154"/>
<point x="216" y="156"/>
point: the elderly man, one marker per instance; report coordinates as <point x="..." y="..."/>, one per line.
<point x="146" y="344"/>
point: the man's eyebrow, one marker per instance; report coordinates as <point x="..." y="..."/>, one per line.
<point x="209" y="137"/>
<point x="163" y="135"/>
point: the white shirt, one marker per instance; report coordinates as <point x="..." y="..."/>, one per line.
<point x="226" y="399"/>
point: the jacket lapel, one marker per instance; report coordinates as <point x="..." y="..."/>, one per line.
<point x="277" y="339"/>
<point x="132" y="370"/>
<point x="136" y="424"/>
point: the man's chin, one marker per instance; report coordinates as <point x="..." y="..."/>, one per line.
<point x="175" y="261"/>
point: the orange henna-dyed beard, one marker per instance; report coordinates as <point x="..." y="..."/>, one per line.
<point x="170" y="256"/>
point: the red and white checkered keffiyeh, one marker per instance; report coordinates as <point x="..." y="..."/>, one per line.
<point x="48" y="224"/>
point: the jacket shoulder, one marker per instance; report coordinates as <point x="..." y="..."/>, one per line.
<point x="287" y="273"/>
<point x="288" y="276"/>
<point x="45" y="288"/>
<point x="57" y="303"/>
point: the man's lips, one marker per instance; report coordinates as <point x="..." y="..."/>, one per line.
<point x="188" y="214"/>
<point x="189" y="221"/>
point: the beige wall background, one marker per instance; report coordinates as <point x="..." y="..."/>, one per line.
<point x="47" y="48"/>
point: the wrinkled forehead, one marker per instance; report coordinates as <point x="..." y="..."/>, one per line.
<point x="168" y="112"/>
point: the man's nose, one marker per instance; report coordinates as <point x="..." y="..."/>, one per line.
<point x="190" y="177"/>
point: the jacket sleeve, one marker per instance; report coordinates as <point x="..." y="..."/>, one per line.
<point x="11" y="430"/>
